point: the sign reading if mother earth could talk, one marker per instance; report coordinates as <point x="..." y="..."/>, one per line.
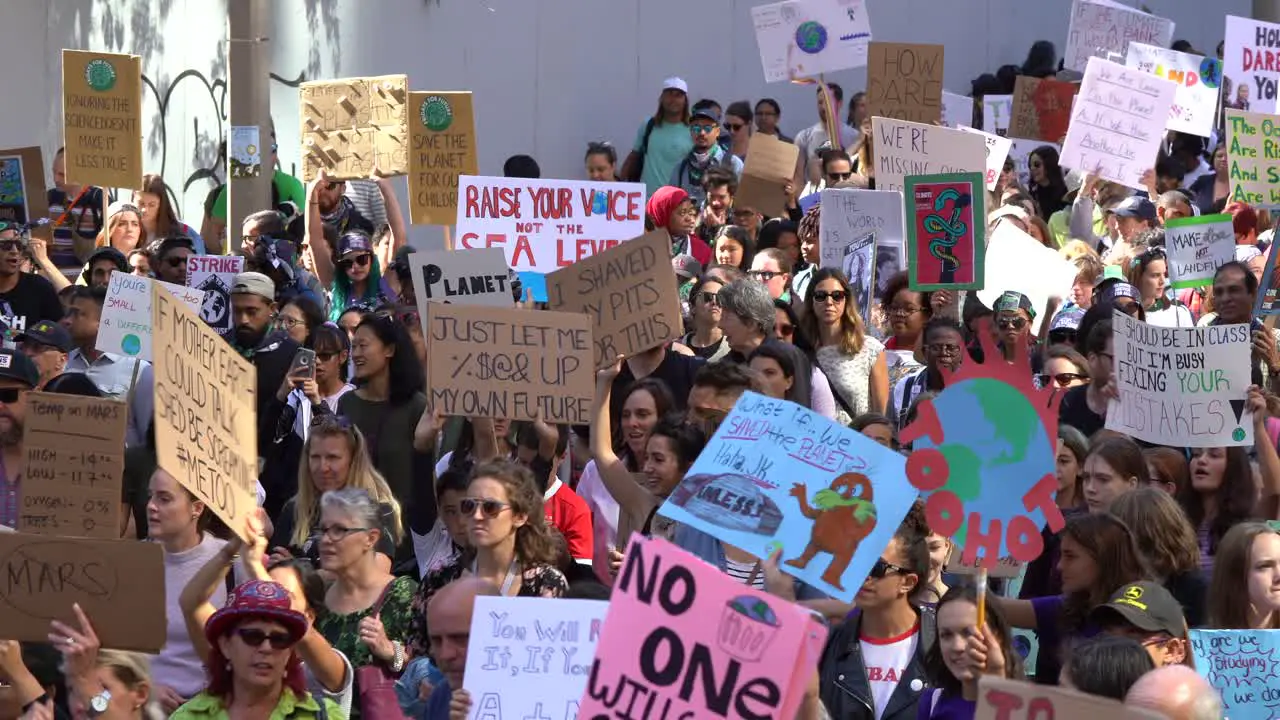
<point x="1182" y="387"/>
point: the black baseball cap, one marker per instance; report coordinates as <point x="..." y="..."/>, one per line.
<point x="16" y="366"/>
<point x="1147" y="606"/>
<point x="48" y="333"/>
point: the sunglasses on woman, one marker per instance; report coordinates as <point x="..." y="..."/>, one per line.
<point x="882" y="568"/>
<point x="489" y="508"/>
<point x="361" y="260"/>
<point x="1061" y="379"/>
<point x="1011" y="323"/>
<point x="821" y="296"/>
<point x="709" y="298"/>
<point x="253" y="637"/>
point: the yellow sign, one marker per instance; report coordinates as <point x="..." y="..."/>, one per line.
<point x="102" y="118"/>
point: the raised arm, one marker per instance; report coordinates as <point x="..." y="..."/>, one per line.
<point x="395" y="218"/>
<point x="196" y="598"/>
<point x="321" y="254"/>
<point x="631" y="497"/>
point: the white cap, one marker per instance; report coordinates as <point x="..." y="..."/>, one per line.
<point x="675" y="83"/>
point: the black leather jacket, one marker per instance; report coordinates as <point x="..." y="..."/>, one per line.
<point x="842" y="675"/>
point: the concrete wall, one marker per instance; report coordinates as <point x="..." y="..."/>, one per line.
<point x="549" y="75"/>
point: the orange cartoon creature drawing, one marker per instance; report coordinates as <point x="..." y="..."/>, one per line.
<point x="843" y="516"/>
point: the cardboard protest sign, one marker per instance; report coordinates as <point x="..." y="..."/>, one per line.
<point x="117" y="583"/>
<point x="125" y="326"/>
<point x="352" y="125"/>
<point x="1182" y="387"/>
<point x="673" y="616"/>
<point x="1103" y="29"/>
<point x="214" y="275"/>
<point x="530" y="657"/>
<point x="997" y="113"/>
<point x="1243" y="666"/>
<point x="997" y="152"/>
<point x="74" y="448"/>
<point x="102" y="118"/>
<point x="957" y="110"/>
<point x="805" y="38"/>
<point x="22" y="196"/>
<point x="1198" y="79"/>
<point x="904" y="81"/>
<point x="629" y="292"/>
<point x="1018" y="262"/>
<point x="769" y="167"/>
<point x="1197" y="246"/>
<point x="1041" y="108"/>
<point x="206" y="413"/>
<point x="779" y="476"/>
<point x="1249" y="68"/>
<point x="1001" y="699"/>
<point x="906" y="148"/>
<point x="509" y="363"/>
<point x="461" y="277"/>
<point x="442" y="135"/>
<point x="1253" y="158"/>
<point x="1268" y="303"/>
<point x="946" y="231"/>
<point x="544" y="225"/>
<point x="1117" y="124"/>
<point x="985" y="450"/>
<point x="860" y="232"/>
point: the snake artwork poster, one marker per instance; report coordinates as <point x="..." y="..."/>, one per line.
<point x="946" y="231"/>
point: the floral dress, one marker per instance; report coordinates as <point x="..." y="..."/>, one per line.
<point x="535" y="581"/>
<point x="343" y="631"/>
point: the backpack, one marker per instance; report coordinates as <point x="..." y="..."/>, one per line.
<point x="644" y="150"/>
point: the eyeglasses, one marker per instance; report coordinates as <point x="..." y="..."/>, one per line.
<point x="489" y="508"/>
<point x="733" y="127"/>
<point x="1062" y="379"/>
<point x="9" y="396"/>
<point x="253" y="637"/>
<point x="1011" y="323"/>
<point x="361" y="260"/>
<point x="835" y="296"/>
<point x="763" y="275"/>
<point x="702" y="129"/>
<point x="839" y="177"/>
<point x="944" y="349"/>
<point x="905" y="309"/>
<point x="882" y="568"/>
<point x="784" y="329"/>
<point x="709" y="298"/>
<point x="174" y="262"/>
<point x="339" y="532"/>
<point x="289" y="323"/>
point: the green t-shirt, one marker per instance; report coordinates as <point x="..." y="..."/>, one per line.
<point x="288" y="187"/>
<point x="669" y="143"/>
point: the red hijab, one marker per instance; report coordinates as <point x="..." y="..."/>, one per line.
<point x="662" y="204"/>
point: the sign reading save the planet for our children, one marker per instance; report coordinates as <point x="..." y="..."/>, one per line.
<point x="984" y="451"/>
<point x="777" y="476"/>
<point x="125" y="328"/>
<point x="1243" y="666"/>
<point x="1182" y="387"/>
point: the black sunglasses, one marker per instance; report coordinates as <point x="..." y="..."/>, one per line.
<point x="709" y="298"/>
<point x="832" y="295"/>
<point x="10" y="245"/>
<point x="1016" y="323"/>
<point x="1062" y="379"/>
<point x="254" y="638"/>
<point x="361" y="260"/>
<point x="8" y="396"/>
<point x="882" y="568"/>
<point x="839" y="177"/>
<point x="490" y="508"/>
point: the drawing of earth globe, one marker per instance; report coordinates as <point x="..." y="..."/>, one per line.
<point x="811" y="37"/>
<point x="100" y="75"/>
<point x="1211" y="72"/>
<point x="131" y="345"/>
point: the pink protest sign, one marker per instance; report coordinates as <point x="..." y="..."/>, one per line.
<point x="685" y="640"/>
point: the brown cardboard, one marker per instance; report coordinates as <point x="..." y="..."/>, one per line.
<point x="205" y="418"/>
<point x="71" y="483"/>
<point x="904" y="81"/>
<point x="442" y="138"/>
<point x="770" y="165"/>
<point x="629" y="292"/>
<point x="509" y="363"/>
<point x="1041" y="108"/>
<point x="1006" y="567"/>
<point x="33" y="203"/>
<point x="349" y="126"/>
<point x="119" y="584"/>
<point x="102" y="122"/>
<point x="1000" y="699"/>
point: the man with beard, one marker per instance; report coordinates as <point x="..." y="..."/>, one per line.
<point x="113" y="374"/>
<point x="17" y="376"/>
<point x="169" y="258"/>
<point x="25" y="299"/>
<point x="336" y="209"/>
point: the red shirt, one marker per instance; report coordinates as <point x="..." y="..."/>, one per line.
<point x="569" y="514"/>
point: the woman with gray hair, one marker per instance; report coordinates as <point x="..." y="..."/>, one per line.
<point x="368" y="609"/>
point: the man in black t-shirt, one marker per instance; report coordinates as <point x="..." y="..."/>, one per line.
<point x="25" y="299"/>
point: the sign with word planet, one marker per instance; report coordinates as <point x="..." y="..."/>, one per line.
<point x="1182" y="387"/>
<point x="461" y="277"/>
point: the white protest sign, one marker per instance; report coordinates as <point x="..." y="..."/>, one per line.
<point x="997" y="152"/>
<point x="804" y="38"/>
<point x="957" y="110"/>
<point x="461" y="277"/>
<point x="1249" y="68"/>
<point x="1102" y="28"/>
<point x="1020" y="150"/>
<point x="905" y="148"/>
<point x="1182" y="387"/>
<point x="997" y="113"/>
<point x="1197" y="78"/>
<point x="1016" y="261"/>
<point x="214" y="275"/>
<point x="125" y="326"/>
<point x="1117" y="123"/>
<point x="531" y="657"/>
<point x="1196" y="246"/>
<point x="849" y="217"/>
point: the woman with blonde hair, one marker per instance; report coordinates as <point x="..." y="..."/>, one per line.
<point x="852" y="360"/>
<point x="334" y="457"/>
<point x="1168" y="541"/>
<point x="109" y="684"/>
<point x="1248" y="555"/>
<point x="123" y="228"/>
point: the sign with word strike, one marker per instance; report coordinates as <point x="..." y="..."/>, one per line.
<point x="102" y="118"/>
<point x="206" y="417"/>
<point x="629" y="292"/>
<point x="353" y="125"/>
<point x="1103" y="28"/>
<point x="529" y="657"/>
<point x="461" y="277"/>
<point x="1197" y="246"/>
<point x="904" y="81"/>
<point x="854" y="219"/>
<point x="998" y="148"/>
<point x="125" y="326"/>
<point x="1243" y="666"/>
<point x="805" y="38"/>
<point x="1182" y="387"/>
<point x="777" y="476"/>
<point x="214" y="275"/>
<point x="1253" y="158"/>
<point x="1198" y="79"/>
<point x="906" y="148"/>
<point x="119" y="584"/>
<point x="509" y="363"/>
<point x="946" y="230"/>
<point x="683" y="636"/>
<point x="1001" y="699"/>
<point x="22" y="196"/>
<point x="1249" y="68"/>
<point x="442" y="137"/>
